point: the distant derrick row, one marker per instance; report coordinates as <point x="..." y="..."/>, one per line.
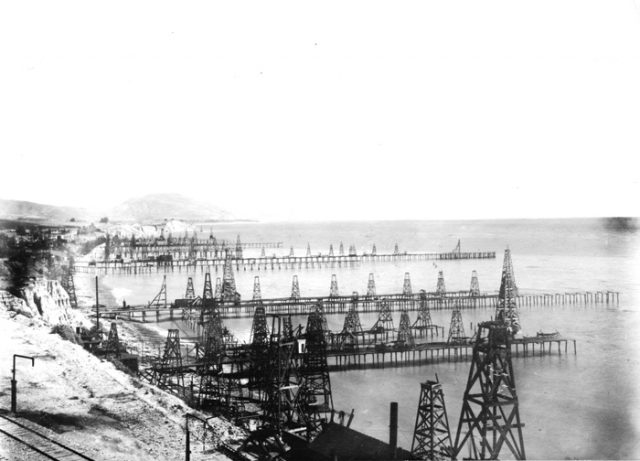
<point x="161" y="256"/>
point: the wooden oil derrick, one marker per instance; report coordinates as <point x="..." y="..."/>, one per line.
<point x="333" y="290"/>
<point x="341" y="250"/>
<point x="238" y="248"/>
<point x="287" y="328"/>
<point x="507" y="307"/>
<point x="352" y="328"/>
<point x="319" y="310"/>
<point x="457" y="250"/>
<point x="112" y="344"/>
<point x="281" y="406"/>
<point x="308" y="249"/>
<point x="396" y="250"/>
<point x="291" y="252"/>
<point x="352" y="250"/>
<point x="431" y="436"/>
<point x="490" y="413"/>
<point x="404" y="329"/>
<point x="456" y="328"/>
<point x="316" y="399"/>
<point x="218" y="292"/>
<point x="169" y="373"/>
<point x="212" y="341"/>
<point x="371" y="287"/>
<point x="160" y="299"/>
<point x="331" y="249"/>
<point x="229" y="293"/>
<point x="475" y="286"/>
<point x="423" y="324"/>
<point x="257" y="293"/>
<point x="374" y="251"/>
<point x="384" y="324"/>
<point x="507" y="266"/>
<point x="441" y="289"/>
<point x="295" y="288"/>
<point x="207" y="292"/>
<point x="406" y="287"/>
<point x="190" y="293"/>
<point x="263" y="253"/>
<point x="259" y="329"/>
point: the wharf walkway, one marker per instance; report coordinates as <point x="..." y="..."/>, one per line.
<point x="152" y="265"/>
<point x="425" y="353"/>
<point x="184" y="309"/>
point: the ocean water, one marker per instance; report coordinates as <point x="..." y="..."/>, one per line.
<point x="573" y="406"/>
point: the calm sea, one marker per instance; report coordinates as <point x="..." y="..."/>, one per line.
<point x="573" y="406"/>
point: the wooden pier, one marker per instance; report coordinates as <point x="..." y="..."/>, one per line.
<point x="164" y="265"/>
<point x="426" y="353"/>
<point x="183" y="309"/>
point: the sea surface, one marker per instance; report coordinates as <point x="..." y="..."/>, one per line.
<point x="573" y="406"/>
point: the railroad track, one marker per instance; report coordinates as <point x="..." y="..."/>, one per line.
<point x="38" y="442"/>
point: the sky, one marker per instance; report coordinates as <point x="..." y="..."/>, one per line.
<point x="325" y="110"/>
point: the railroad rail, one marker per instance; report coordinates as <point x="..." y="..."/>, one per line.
<point x="181" y="309"/>
<point x="149" y="266"/>
<point x="39" y="443"/>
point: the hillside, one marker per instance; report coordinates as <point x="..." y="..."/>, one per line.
<point x="158" y="207"/>
<point x="31" y="211"/>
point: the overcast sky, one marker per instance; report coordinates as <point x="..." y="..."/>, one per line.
<point x="326" y="110"/>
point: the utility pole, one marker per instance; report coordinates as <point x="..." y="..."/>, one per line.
<point x="97" y="309"/>
<point x="14" y="383"/>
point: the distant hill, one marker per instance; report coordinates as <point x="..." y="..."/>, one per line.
<point x="30" y="211"/>
<point x="148" y="209"/>
<point x="158" y="207"/>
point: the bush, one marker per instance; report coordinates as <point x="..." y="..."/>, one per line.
<point x="66" y="332"/>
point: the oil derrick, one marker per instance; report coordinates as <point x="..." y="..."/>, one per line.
<point x="333" y="291"/>
<point x="316" y="399"/>
<point x="218" y="292"/>
<point x="161" y="298"/>
<point x="396" y="250"/>
<point x="207" y="293"/>
<point x="238" y="248"/>
<point x="431" y="436"/>
<point x="456" y="328"/>
<point x="169" y="373"/>
<point x="259" y="330"/>
<point x="406" y="287"/>
<point x="373" y="250"/>
<point x="295" y="288"/>
<point x="441" y="290"/>
<point x="384" y="324"/>
<point x="507" y="266"/>
<point x="331" y="249"/>
<point x="457" y="250"/>
<point x="257" y="293"/>
<point x="229" y="293"/>
<point x="371" y="286"/>
<point x="263" y="253"/>
<point x="423" y="322"/>
<point x="507" y="308"/>
<point x="490" y="411"/>
<point x="112" y="345"/>
<point x="352" y="327"/>
<point x="341" y="249"/>
<point x="404" y="330"/>
<point x="291" y="253"/>
<point x="352" y="250"/>
<point x="193" y="251"/>
<point x="308" y="249"/>
<point x="475" y="286"/>
<point x="191" y="293"/>
<point x="287" y="328"/>
<point x="282" y="403"/>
